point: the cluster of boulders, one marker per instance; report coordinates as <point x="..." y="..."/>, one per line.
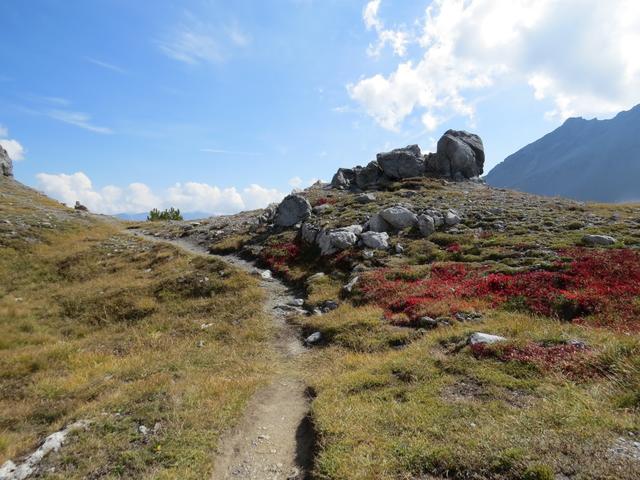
<point x="374" y="234"/>
<point x="6" y="166"/>
<point x="459" y="156"/>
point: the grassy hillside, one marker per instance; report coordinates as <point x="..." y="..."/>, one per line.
<point x="158" y="350"/>
<point x="402" y="396"/>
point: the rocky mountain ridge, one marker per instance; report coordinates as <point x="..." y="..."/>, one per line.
<point x="589" y="160"/>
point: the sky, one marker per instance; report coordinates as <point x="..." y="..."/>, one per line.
<point x="216" y="106"/>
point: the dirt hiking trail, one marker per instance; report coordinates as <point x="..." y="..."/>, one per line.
<point x="274" y="438"/>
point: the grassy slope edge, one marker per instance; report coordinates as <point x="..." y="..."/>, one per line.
<point x="158" y="349"/>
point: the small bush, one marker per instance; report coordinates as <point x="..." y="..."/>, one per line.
<point x="156" y="215"/>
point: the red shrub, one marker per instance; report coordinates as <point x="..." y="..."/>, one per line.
<point x="324" y="201"/>
<point x="454" y="248"/>
<point x="601" y="285"/>
<point x="279" y="256"/>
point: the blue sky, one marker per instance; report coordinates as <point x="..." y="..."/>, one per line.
<point x="219" y="106"/>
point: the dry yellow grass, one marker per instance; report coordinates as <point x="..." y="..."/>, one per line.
<point x="97" y="325"/>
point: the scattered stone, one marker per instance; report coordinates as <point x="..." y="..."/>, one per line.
<point x="266" y="275"/>
<point x="485" y="338"/>
<point x="348" y="288"/>
<point x="598" y="240"/>
<point x="426" y="224"/>
<point x="399" y="217"/>
<point x="376" y="240"/>
<point x="365" y="198"/>
<point x="378" y="224"/>
<point x="452" y="218"/>
<point x="292" y="210"/>
<point x="313" y="339"/>
<point x="332" y="241"/>
<point x="468" y="316"/>
<point x="143" y="430"/>
<point x="427" y="322"/>
<point x="297" y="302"/>
<point x="315" y="277"/>
<point x="625" y="448"/>
<point x="320" y="209"/>
<point x="328" y="305"/>
<point x="309" y="232"/>
<point x="79" y="207"/>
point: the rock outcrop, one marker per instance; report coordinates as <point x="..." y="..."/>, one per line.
<point x="460" y="156"/>
<point x="6" y="166"/>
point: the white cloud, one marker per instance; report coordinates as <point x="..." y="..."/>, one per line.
<point x="194" y="42"/>
<point x="13" y="148"/>
<point x="471" y="45"/>
<point x="78" y="119"/>
<point x="398" y="39"/>
<point x="138" y="197"/>
<point x="255" y="196"/>
<point x="298" y="183"/>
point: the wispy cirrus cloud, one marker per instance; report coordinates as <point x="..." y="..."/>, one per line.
<point x="194" y="42"/>
<point x="105" y="65"/>
<point x="77" y="119"/>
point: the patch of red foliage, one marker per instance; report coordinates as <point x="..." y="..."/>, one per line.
<point x="277" y="257"/>
<point x="454" y="248"/>
<point x="324" y="201"/>
<point x="601" y="287"/>
<point x="574" y="361"/>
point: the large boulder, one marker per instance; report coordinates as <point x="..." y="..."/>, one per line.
<point x="6" y="166"/>
<point x="292" y="210"/>
<point x="378" y="224"/>
<point x="368" y="176"/>
<point x="399" y="217"/>
<point x="402" y="162"/>
<point x="460" y="155"/>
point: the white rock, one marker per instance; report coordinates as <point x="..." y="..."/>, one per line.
<point x="376" y="240"/>
<point x="452" y="218"/>
<point x="399" y="217"/>
<point x="349" y="286"/>
<point x="485" y="338"/>
<point x="314" y="338"/>
<point x="332" y="241"/>
<point x="426" y="224"/>
<point x="266" y="274"/>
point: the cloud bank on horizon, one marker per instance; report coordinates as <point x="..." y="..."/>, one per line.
<point x="581" y="54"/>
<point x="138" y="197"/>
